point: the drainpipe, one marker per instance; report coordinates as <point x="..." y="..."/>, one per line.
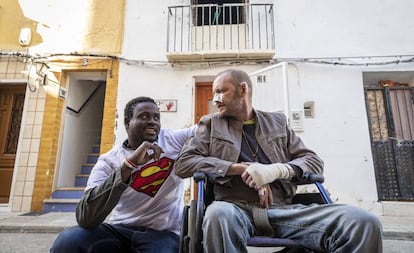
<point x="284" y="66"/>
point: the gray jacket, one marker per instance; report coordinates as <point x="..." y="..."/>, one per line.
<point x="217" y="143"/>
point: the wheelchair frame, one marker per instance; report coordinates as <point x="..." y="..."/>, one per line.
<point x="191" y="235"/>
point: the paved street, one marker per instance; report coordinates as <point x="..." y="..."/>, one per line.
<point x="40" y="243"/>
<point x="36" y="233"/>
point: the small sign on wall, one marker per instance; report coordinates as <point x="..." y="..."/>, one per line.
<point x="296" y="120"/>
<point x="167" y="105"/>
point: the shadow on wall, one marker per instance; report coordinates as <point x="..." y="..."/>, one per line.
<point x="12" y="22"/>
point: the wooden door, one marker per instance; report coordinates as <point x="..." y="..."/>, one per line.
<point x="204" y="100"/>
<point x="11" y="108"/>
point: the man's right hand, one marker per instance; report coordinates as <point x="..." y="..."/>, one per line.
<point x="145" y="152"/>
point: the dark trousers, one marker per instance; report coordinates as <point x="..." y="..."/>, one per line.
<point x="115" y="238"/>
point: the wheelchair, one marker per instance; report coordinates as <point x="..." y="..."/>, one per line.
<point x="191" y="232"/>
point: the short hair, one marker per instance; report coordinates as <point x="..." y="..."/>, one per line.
<point x="237" y="76"/>
<point x="129" y="107"/>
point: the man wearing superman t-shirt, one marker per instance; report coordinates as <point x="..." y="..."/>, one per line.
<point x="134" y="183"/>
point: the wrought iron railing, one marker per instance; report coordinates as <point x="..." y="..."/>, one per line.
<point x="213" y="27"/>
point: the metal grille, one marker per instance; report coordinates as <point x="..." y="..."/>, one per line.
<point x="404" y="154"/>
<point x="385" y="172"/>
<point x="14" y="128"/>
<point x="391" y="119"/>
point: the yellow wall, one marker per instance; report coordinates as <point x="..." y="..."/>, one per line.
<point x="86" y="26"/>
<point x="11" y="21"/>
<point x="63" y="34"/>
<point x="49" y="141"/>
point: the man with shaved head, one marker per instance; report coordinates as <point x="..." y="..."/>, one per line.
<point x="255" y="161"/>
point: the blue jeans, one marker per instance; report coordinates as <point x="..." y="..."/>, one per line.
<point x="115" y="238"/>
<point x="322" y="228"/>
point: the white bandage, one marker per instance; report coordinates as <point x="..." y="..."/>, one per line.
<point x="218" y="97"/>
<point x="266" y="173"/>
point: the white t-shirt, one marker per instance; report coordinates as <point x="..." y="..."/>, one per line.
<point x="154" y="198"/>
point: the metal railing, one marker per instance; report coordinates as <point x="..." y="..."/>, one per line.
<point x="213" y="27"/>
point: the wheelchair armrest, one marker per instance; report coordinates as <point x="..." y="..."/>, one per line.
<point x="199" y="176"/>
<point x="311" y="179"/>
<point x="316" y="178"/>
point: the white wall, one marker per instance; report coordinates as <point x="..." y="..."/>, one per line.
<point x="339" y="131"/>
<point x="161" y="83"/>
<point x="321" y="28"/>
<point x="304" y="29"/>
<point x="145" y="34"/>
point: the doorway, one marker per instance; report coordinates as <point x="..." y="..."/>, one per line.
<point x="389" y="98"/>
<point x="11" y="109"/>
<point x="82" y="125"/>
<point x="204" y="100"/>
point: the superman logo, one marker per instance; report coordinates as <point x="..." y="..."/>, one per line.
<point x="150" y="177"/>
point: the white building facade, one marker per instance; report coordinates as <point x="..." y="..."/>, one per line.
<point x="312" y="60"/>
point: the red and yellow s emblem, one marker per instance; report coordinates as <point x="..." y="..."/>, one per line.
<point x="150" y="177"/>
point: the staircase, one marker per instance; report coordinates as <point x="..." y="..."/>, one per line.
<point x="65" y="199"/>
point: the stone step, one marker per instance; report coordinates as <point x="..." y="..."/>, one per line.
<point x="87" y="168"/>
<point x="65" y="199"/>
<point x="81" y="180"/>
<point x="398" y="208"/>
<point x="96" y="148"/>
<point x="68" y="193"/>
<point x="60" y="205"/>
<point x="92" y="158"/>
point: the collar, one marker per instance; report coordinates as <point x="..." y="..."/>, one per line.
<point x="249" y="122"/>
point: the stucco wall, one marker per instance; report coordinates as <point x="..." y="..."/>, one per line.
<point x="63" y="26"/>
<point x="302" y="28"/>
<point x="160" y="83"/>
<point x="343" y="28"/>
<point x="339" y="131"/>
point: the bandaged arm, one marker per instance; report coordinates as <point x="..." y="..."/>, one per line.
<point x="266" y="173"/>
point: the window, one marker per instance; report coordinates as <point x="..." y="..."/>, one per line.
<point x="218" y="12"/>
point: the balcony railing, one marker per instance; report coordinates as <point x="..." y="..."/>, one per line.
<point x="228" y="30"/>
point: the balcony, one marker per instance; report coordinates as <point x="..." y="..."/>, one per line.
<point x="211" y="32"/>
